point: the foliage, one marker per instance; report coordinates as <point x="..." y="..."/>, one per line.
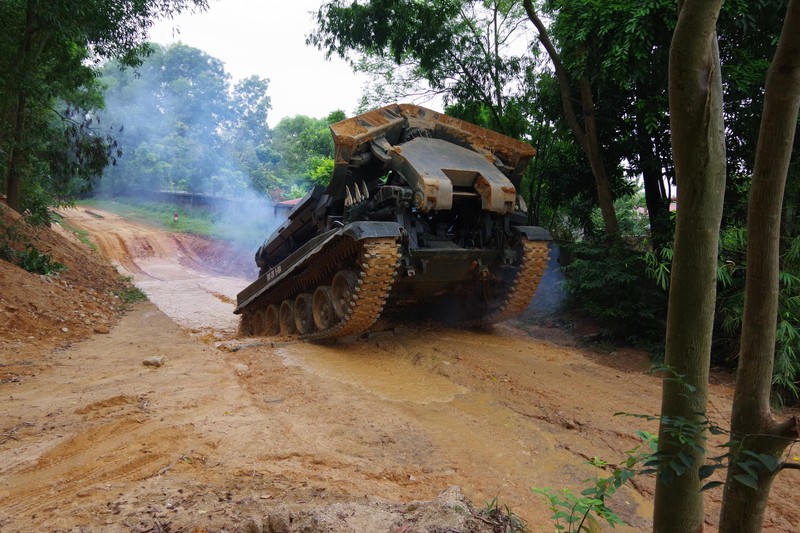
<point x="173" y="109"/>
<point x="131" y="295"/>
<point x="467" y="51"/>
<point x="731" y="271"/>
<point x="501" y="517"/>
<point x="690" y="434"/>
<point x="304" y="149"/>
<point x="16" y="247"/>
<point x="632" y="217"/>
<point x="187" y="129"/>
<point x="51" y="141"/>
<point x="38" y="262"/>
<point x="582" y="512"/>
<point x="612" y="286"/>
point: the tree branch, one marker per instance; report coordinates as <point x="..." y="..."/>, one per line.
<point x="561" y="75"/>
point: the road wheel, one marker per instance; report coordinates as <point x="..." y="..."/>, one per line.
<point x="342" y="289"/>
<point x="272" y="320"/>
<point x="322" y="307"/>
<point x="287" y="318"/>
<point x="303" y="315"/>
<point x="246" y="324"/>
<point x="258" y="322"/>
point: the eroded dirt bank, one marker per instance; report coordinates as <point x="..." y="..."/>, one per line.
<point x="257" y="434"/>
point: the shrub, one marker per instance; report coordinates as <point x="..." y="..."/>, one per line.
<point x="38" y="262"/>
<point x="612" y="285"/>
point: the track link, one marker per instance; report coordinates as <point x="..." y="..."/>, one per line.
<point x="376" y="260"/>
<point x="534" y="259"/>
<point x="378" y="263"/>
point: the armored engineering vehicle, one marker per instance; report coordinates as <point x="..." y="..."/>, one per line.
<point x="421" y="218"/>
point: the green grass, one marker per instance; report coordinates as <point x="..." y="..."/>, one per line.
<point x="81" y="234"/>
<point x="194" y="220"/>
<point x="131" y="295"/>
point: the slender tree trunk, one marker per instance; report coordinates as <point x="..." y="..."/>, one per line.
<point x="18" y="133"/>
<point x="657" y="207"/>
<point x="698" y="144"/>
<point x="752" y="423"/>
<point x="587" y="136"/>
<point x="13" y="182"/>
<point x="604" y="197"/>
<point x="654" y="193"/>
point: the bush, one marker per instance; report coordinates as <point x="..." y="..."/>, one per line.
<point x="612" y="285"/>
<point x="38" y="262"/>
<point x="29" y="257"/>
<point x="730" y="308"/>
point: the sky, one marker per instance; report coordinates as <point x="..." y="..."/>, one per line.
<point x="267" y="38"/>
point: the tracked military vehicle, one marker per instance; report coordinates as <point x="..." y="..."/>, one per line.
<point x="421" y="218"/>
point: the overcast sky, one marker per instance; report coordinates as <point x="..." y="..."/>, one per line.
<point x="267" y="38"/>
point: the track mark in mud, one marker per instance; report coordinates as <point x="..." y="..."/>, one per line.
<point x="115" y="406"/>
<point x="112" y="453"/>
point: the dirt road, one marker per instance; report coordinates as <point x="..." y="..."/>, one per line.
<point x="254" y="433"/>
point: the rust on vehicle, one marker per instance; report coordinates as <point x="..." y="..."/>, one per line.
<point x="422" y="212"/>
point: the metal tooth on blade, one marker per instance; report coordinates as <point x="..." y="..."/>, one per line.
<point x="348" y="200"/>
<point x="365" y="191"/>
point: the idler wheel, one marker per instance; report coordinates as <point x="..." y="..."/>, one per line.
<point x="303" y="315"/>
<point x="322" y="307"/>
<point x="287" y="318"/>
<point x="343" y="286"/>
<point x="272" y="320"/>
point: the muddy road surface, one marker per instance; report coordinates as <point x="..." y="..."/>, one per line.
<point x="265" y="434"/>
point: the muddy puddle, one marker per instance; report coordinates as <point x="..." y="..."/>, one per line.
<point x="388" y="377"/>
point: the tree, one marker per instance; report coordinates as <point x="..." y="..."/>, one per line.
<point x="461" y="49"/>
<point x="698" y="144"/>
<point x="250" y="134"/>
<point x="182" y="125"/>
<point x="754" y="429"/>
<point x="48" y="54"/>
<point x="585" y="134"/>
<point x="467" y="51"/>
<point x="621" y="48"/>
<point x="304" y="149"/>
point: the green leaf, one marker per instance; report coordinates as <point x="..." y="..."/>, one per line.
<point x="748" y="481"/>
<point x="770" y="462"/>
<point x="711" y="485"/>
<point x="747" y="466"/>
<point x="706" y="470"/>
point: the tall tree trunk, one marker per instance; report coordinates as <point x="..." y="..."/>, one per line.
<point x="698" y="144"/>
<point x="16" y="152"/>
<point x="752" y="423"/>
<point x="652" y="175"/>
<point x="586" y="136"/>
<point x="657" y="205"/>
<point x="13" y="178"/>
